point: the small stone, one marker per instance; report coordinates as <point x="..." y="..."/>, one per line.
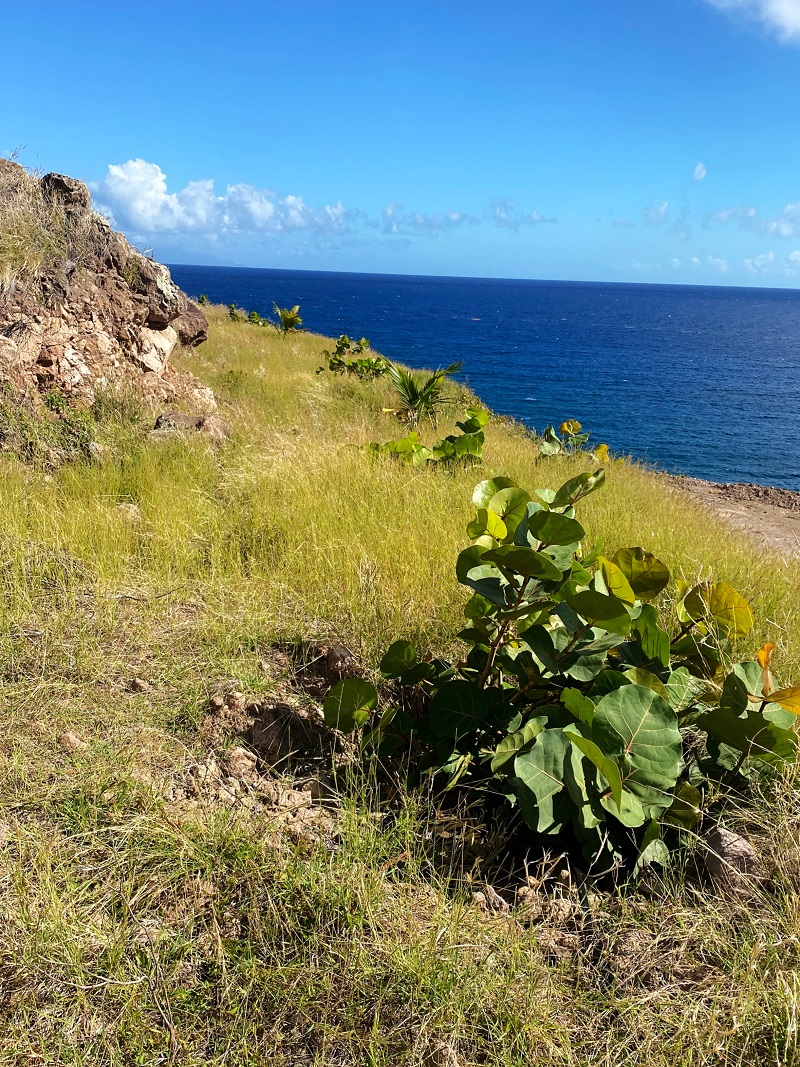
<point x="130" y="511"/>
<point x="241" y="762"/>
<point x="340" y="661"/>
<point x="139" y="685"/>
<point x="72" y="743"/>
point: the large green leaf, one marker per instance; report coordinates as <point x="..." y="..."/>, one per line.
<point x="484" y="491"/>
<point x="640" y="676"/>
<point x="582" y="707"/>
<point x="654" y="640"/>
<point x="616" y="582"/>
<point x="685" y="811"/>
<point x="638" y="725"/>
<point x="510" y="505"/>
<point x="604" y="764"/>
<point x="397" y="659"/>
<point x="577" y="488"/>
<point x="525" y="561"/>
<point x="721" y="604"/>
<point x="349" y="703"/>
<point x="752" y="733"/>
<point x="647" y="575"/>
<point x="600" y="610"/>
<point x="553" y="528"/>
<point x="487" y="524"/>
<point x="514" y="743"/>
<point x="458" y="708"/>
<point x="540" y="777"/>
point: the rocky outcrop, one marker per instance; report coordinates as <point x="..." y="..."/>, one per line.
<point x="92" y="311"/>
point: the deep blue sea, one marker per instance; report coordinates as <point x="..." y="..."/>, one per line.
<point x="693" y="379"/>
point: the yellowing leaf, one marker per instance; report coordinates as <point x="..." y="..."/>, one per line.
<point x="788" y="698"/>
<point x="570" y="426"/>
<point x="764" y="654"/>
<point x="602" y="454"/>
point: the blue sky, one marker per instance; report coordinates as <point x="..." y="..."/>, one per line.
<point x="633" y="141"/>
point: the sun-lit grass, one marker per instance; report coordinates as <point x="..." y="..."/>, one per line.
<point x="132" y="932"/>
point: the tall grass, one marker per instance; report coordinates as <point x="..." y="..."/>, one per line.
<point x="134" y="929"/>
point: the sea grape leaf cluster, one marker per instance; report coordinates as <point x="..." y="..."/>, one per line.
<point x="465" y="447"/>
<point x="570" y="438"/>
<point x="574" y="699"/>
<point x="348" y="357"/>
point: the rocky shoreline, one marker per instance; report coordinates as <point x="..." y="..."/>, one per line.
<point x="769" y="515"/>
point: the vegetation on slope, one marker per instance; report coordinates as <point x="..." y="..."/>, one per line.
<point x="139" y="927"/>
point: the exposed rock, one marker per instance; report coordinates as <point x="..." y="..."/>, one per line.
<point x="191" y="326"/>
<point x="138" y="685"/>
<point x="340" y="661"/>
<point x="211" y="426"/>
<point x="97" y="313"/>
<point x="72" y="743"/>
<point x="732" y="859"/>
<point x="131" y="512"/>
<point x="69" y="192"/>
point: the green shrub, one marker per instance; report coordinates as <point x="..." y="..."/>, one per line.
<point x="465" y="448"/>
<point x="288" y="319"/>
<point x="571" y="438"/>
<point x="364" y="367"/>
<point x="573" y="702"/>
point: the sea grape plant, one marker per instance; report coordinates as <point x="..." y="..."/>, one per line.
<point x="571" y="438"/>
<point x="464" y="448"/>
<point x="574" y="701"/>
<point x="348" y="357"/>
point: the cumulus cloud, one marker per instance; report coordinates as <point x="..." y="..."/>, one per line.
<point x="396" y="220"/>
<point x="760" y="264"/>
<point x="781" y="16"/>
<point x="700" y="172"/>
<point x="657" y="213"/>
<point x="137" y="197"/>
<point x="503" y="213"/>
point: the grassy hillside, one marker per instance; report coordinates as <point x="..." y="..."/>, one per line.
<point x="139" y="927"/>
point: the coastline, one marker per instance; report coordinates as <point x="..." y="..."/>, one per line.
<point x="768" y="515"/>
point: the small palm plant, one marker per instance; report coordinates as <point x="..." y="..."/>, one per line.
<point x="288" y="319"/>
<point x="419" y="399"/>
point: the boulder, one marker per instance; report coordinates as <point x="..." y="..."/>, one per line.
<point x="67" y="191"/>
<point x="191" y="326"/>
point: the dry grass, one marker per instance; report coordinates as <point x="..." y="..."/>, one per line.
<point x="36" y="233"/>
<point x="139" y="929"/>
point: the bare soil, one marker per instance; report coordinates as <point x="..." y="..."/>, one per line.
<point x="768" y="515"/>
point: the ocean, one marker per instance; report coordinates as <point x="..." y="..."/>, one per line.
<point x="697" y="380"/>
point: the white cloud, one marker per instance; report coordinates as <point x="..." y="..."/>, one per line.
<point x="785" y="224"/>
<point x="722" y="265"/>
<point x="657" y="213"/>
<point x="396" y="220"/>
<point x="700" y="172"/>
<point x="782" y="16"/>
<point x="136" y="195"/>
<point x="503" y="213"/>
<point x="760" y="264"/>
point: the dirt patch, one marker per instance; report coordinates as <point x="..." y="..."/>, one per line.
<point x="768" y="515"/>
